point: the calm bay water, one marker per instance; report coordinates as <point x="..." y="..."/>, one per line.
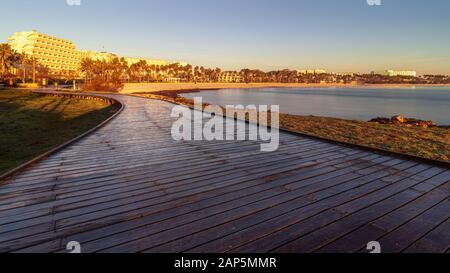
<point x="427" y="103"/>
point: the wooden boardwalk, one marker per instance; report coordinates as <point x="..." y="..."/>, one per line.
<point x="129" y="187"/>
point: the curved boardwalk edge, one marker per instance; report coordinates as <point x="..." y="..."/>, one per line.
<point x="29" y="163"/>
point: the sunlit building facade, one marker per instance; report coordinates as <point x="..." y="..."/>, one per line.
<point x="62" y="56"/>
<point x="132" y="61"/>
<point x="312" y="71"/>
<point x="230" y="77"/>
<point x="57" y="54"/>
<point x="97" y="56"/>
<point x="394" y="73"/>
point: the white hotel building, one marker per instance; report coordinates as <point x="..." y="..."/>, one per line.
<point x="61" y="55"/>
<point x="55" y="53"/>
<point x="394" y="73"/>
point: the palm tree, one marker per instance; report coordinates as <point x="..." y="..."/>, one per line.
<point x="188" y="73"/>
<point x="24" y="61"/>
<point x="142" y="68"/>
<point x="247" y="75"/>
<point x="6" y="59"/>
<point x="134" y="71"/>
<point x="116" y="68"/>
<point x="87" y="65"/>
<point x="196" y="74"/>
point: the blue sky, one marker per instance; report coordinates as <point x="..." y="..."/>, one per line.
<point x="338" y="35"/>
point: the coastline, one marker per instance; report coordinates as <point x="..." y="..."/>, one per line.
<point x="131" y="88"/>
<point x="173" y="90"/>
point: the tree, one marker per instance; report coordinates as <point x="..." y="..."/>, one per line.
<point x="105" y="75"/>
<point x="6" y="59"/>
<point x="247" y="75"/>
<point x="25" y="62"/>
<point x="87" y="65"/>
<point x="139" y="70"/>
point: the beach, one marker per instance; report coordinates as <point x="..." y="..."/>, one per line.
<point x="131" y="88"/>
<point x="156" y="87"/>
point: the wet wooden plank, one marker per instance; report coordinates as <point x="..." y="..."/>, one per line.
<point x="265" y="236"/>
<point x="400" y="239"/>
<point x="357" y="240"/>
<point x="436" y="241"/>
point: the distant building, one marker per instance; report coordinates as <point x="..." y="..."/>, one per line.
<point x="312" y="71"/>
<point x="344" y="74"/>
<point x="182" y="64"/>
<point x="173" y="80"/>
<point x="132" y="61"/>
<point x="57" y="54"/>
<point x="97" y="56"/>
<point x="230" y="77"/>
<point x="393" y="73"/>
<point x="61" y="55"/>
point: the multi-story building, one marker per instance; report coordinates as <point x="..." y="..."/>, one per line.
<point x="106" y="56"/>
<point x="312" y="71"/>
<point x="132" y="61"/>
<point x="393" y="73"/>
<point x="62" y="56"/>
<point x="57" y="54"/>
<point x="182" y="64"/>
<point x="343" y="74"/>
<point x="97" y="56"/>
<point x="230" y="77"/>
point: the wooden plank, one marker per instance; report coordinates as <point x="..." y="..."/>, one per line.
<point x="400" y="239"/>
<point x="436" y="241"/>
<point x="357" y="239"/>
<point x="261" y="210"/>
<point x="310" y="242"/>
<point x="29" y="224"/>
<point x="315" y="215"/>
<point x="224" y="235"/>
<point x="152" y="219"/>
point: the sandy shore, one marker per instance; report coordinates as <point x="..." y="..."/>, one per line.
<point x="155" y="87"/>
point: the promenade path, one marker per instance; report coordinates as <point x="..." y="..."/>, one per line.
<point x="129" y="187"/>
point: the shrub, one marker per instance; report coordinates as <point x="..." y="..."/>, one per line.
<point x="103" y="85"/>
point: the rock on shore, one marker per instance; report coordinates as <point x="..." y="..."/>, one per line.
<point x="401" y="120"/>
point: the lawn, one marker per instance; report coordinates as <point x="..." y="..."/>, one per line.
<point x="432" y="143"/>
<point x="32" y="124"/>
